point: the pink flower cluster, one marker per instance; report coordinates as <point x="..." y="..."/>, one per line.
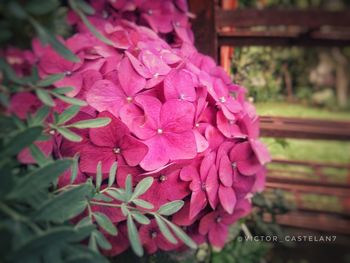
<point x="175" y="115"/>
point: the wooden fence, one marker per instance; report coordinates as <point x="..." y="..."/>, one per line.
<point x="215" y="27"/>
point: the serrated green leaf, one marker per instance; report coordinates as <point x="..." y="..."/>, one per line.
<point x="68" y="114"/>
<point x="68" y="134"/>
<point x="142" y="187"/>
<point x="112" y="174"/>
<point x="143" y="203"/>
<point x="170" y="208"/>
<point x="20" y="141"/>
<point x="98" y="175"/>
<point x="181" y="235"/>
<point x="39" y="178"/>
<point x="104" y="222"/>
<point x="49" y="80"/>
<point x="118" y="194"/>
<point x="102" y="241"/>
<point x="133" y="236"/>
<point x="62" y="90"/>
<point x="142" y="219"/>
<point x="93" y="123"/>
<point x="45" y="97"/>
<point x="165" y="230"/>
<point x="66" y="205"/>
<point x="69" y="100"/>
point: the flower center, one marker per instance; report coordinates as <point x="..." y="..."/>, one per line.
<point x="231" y="122"/>
<point x="160" y="131"/>
<point x="222" y="99"/>
<point x="156" y="75"/>
<point x="177" y="24"/>
<point x="203" y="186"/>
<point x="68" y="73"/>
<point x="234" y="165"/>
<point x="197" y="125"/>
<point x="150" y="12"/>
<point x="182" y="96"/>
<point x="116" y="150"/>
<point x="218" y="219"/>
<point x="153" y="234"/>
<point x="162" y="178"/>
<point x="52" y="132"/>
<point x="129" y="99"/>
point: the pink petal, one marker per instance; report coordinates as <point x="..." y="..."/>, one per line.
<point x="110" y="135"/>
<point x="207" y="222"/>
<point x="227" y="198"/>
<point x="218" y="235"/>
<point x="91" y="155"/>
<point x="229" y="128"/>
<point x="178" y="84"/>
<point x="212" y="187"/>
<point x="198" y="203"/>
<point x="261" y="151"/>
<point x="133" y="150"/>
<point x="157" y="155"/>
<point x="138" y="66"/>
<point x="180" y="145"/>
<point x="130" y="81"/>
<point x="225" y="171"/>
<point x="241" y="151"/>
<point x="46" y="148"/>
<point x="105" y="95"/>
<point x="177" y="116"/>
<point x="201" y="142"/>
<point x="249" y="167"/>
<point x="75" y="81"/>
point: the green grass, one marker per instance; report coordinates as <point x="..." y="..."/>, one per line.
<point x="297" y="110"/>
<point x="312" y="150"/>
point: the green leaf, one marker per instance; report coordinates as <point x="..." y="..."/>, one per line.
<point x="133" y="236"/>
<point x="10" y="73"/>
<point x="142" y="219"/>
<point x="86" y="221"/>
<point x="170" y="208"/>
<point x="68" y="114"/>
<point x="38" y="155"/>
<point x="41" y="115"/>
<point x="75" y="167"/>
<point x="93" y="123"/>
<point x="39" y="178"/>
<point x="36" y="245"/>
<point x="62" y="90"/>
<point x="102" y="241"/>
<point x="69" y="100"/>
<point x="103" y="197"/>
<point x="181" y="234"/>
<point x="45" y="97"/>
<point x="93" y="243"/>
<point x="124" y="209"/>
<point x="39" y="7"/>
<point x="112" y="173"/>
<point x="85" y="7"/>
<point x="49" y="80"/>
<point x="128" y="186"/>
<point x="66" y="205"/>
<point x="20" y="141"/>
<point x="68" y="134"/>
<point x="142" y="187"/>
<point x="165" y="230"/>
<point x="17" y="10"/>
<point x="47" y="37"/>
<point x="143" y="203"/>
<point x="118" y="194"/>
<point x="98" y="175"/>
<point x="104" y="222"/>
<point x="93" y="30"/>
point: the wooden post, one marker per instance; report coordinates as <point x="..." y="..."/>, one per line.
<point x="204" y="26"/>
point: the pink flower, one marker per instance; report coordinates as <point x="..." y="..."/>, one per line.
<point x="109" y="144"/>
<point x="112" y="96"/>
<point x="153" y="239"/>
<point x="216" y="224"/>
<point x="119" y="243"/>
<point x="166" y="130"/>
<point x="204" y="185"/>
<point x="167" y="186"/>
<point x="24" y="103"/>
